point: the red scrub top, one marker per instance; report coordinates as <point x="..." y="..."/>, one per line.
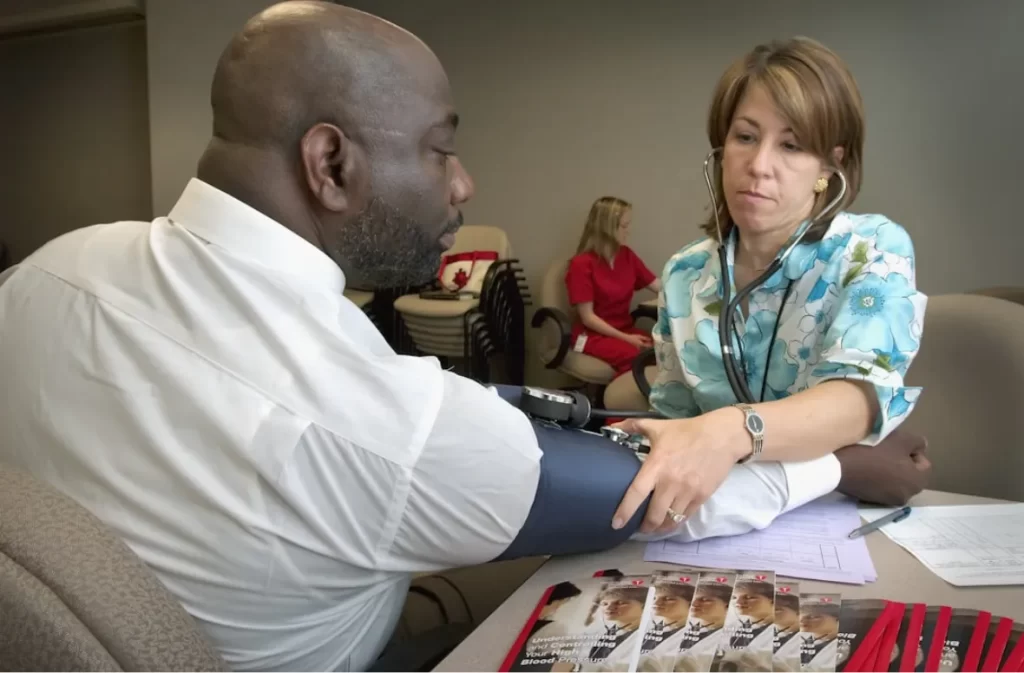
<point x="611" y="287"/>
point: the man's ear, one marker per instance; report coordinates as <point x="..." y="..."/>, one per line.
<point x="330" y="162"/>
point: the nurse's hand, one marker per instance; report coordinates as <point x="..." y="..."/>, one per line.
<point x="689" y="460"/>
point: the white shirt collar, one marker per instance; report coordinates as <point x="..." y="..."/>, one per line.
<point x="226" y="222"/>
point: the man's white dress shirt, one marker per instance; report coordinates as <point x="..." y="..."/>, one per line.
<point x="201" y="384"/>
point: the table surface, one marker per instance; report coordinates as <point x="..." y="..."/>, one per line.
<point x="901" y="577"/>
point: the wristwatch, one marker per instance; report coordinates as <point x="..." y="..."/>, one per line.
<point x="755" y="426"/>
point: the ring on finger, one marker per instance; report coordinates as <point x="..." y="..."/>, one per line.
<point x="676" y="517"/>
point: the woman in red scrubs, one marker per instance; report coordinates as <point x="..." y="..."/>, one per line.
<point x="601" y="280"/>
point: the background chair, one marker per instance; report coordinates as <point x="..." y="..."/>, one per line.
<point x="73" y="597"/>
<point x="474" y="329"/>
<point x="632" y="390"/>
<point x="971" y="368"/>
<point x="361" y="298"/>
<point x="554" y="320"/>
<point x="1007" y="292"/>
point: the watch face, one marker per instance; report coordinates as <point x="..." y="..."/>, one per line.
<point x="755" y="424"/>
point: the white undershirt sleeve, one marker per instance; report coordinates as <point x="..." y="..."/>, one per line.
<point x="753" y="495"/>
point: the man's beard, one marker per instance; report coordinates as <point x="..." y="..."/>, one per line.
<point x="383" y="248"/>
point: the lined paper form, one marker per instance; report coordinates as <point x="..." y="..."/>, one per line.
<point x="811" y="542"/>
<point x="966" y="545"/>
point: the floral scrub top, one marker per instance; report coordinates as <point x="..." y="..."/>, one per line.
<point x="851" y="311"/>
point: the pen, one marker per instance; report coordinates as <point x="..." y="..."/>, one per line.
<point x="898" y="515"/>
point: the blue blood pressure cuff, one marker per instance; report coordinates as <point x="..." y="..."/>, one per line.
<point x="583" y="478"/>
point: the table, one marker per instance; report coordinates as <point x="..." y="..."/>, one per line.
<point x="900" y="577"/>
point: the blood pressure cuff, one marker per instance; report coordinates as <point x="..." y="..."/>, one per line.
<point x="583" y="478"/>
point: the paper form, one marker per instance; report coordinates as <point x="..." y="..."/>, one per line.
<point x="966" y="545"/>
<point x="811" y="542"/>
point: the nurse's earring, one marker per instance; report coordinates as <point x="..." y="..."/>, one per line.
<point x="820" y="185"/>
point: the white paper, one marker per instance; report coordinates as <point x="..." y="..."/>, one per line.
<point x="811" y="542"/>
<point x="966" y="545"/>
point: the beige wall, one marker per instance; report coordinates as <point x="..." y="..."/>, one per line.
<point x="564" y="101"/>
<point x="74" y="146"/>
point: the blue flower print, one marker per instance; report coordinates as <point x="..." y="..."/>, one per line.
<point x="828" y="246"/>
<point x="804" y="349"/>
<point x="899" y="405"/>
<point x="838" y="370"/>
<point x="756" y="343"/>
<point x="674" y="399"/>
<point x="877" y="314"/>
<point x="713" y="286"/>
<point x="702" y="358"/>
<point x="683" y="273"/>
<point x="801" y="260"/>
<point x="889" y="236"/>
<point x="662" y="327"/>
<point x="820" y="289"/>
<point x="665" y="355"/>
<point x="891" y="361"/>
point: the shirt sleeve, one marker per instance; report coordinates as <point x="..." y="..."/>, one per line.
<point x="644" y="276"/>
<point x="754" y="495"/>
<point x="579" y="280"/>
<point x="7" y="273"/>
<point x="875" y="331"/>
<point x="473" y="485"/>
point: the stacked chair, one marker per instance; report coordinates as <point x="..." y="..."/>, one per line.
<point x="363" y="299"/>
<point x="472" y="330"/>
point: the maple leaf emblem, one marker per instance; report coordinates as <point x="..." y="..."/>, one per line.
<point x="460" y="278"/>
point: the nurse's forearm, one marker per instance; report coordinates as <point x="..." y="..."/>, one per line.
<point x="804" y="426"/>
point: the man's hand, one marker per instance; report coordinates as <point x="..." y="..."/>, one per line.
<point x="890" y="473"/>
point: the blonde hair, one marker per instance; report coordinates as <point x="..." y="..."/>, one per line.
<point x="816" y="93"/>
<point x="602" y="223"/>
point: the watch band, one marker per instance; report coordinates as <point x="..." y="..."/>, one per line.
<point x="755" y="426"/>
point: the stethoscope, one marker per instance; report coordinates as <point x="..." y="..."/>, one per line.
<point x="727" y="320"/>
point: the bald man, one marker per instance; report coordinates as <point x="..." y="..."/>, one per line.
<point x="201" y="384"/>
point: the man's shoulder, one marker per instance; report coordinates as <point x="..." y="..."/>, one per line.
<point x="97" y="242"/>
